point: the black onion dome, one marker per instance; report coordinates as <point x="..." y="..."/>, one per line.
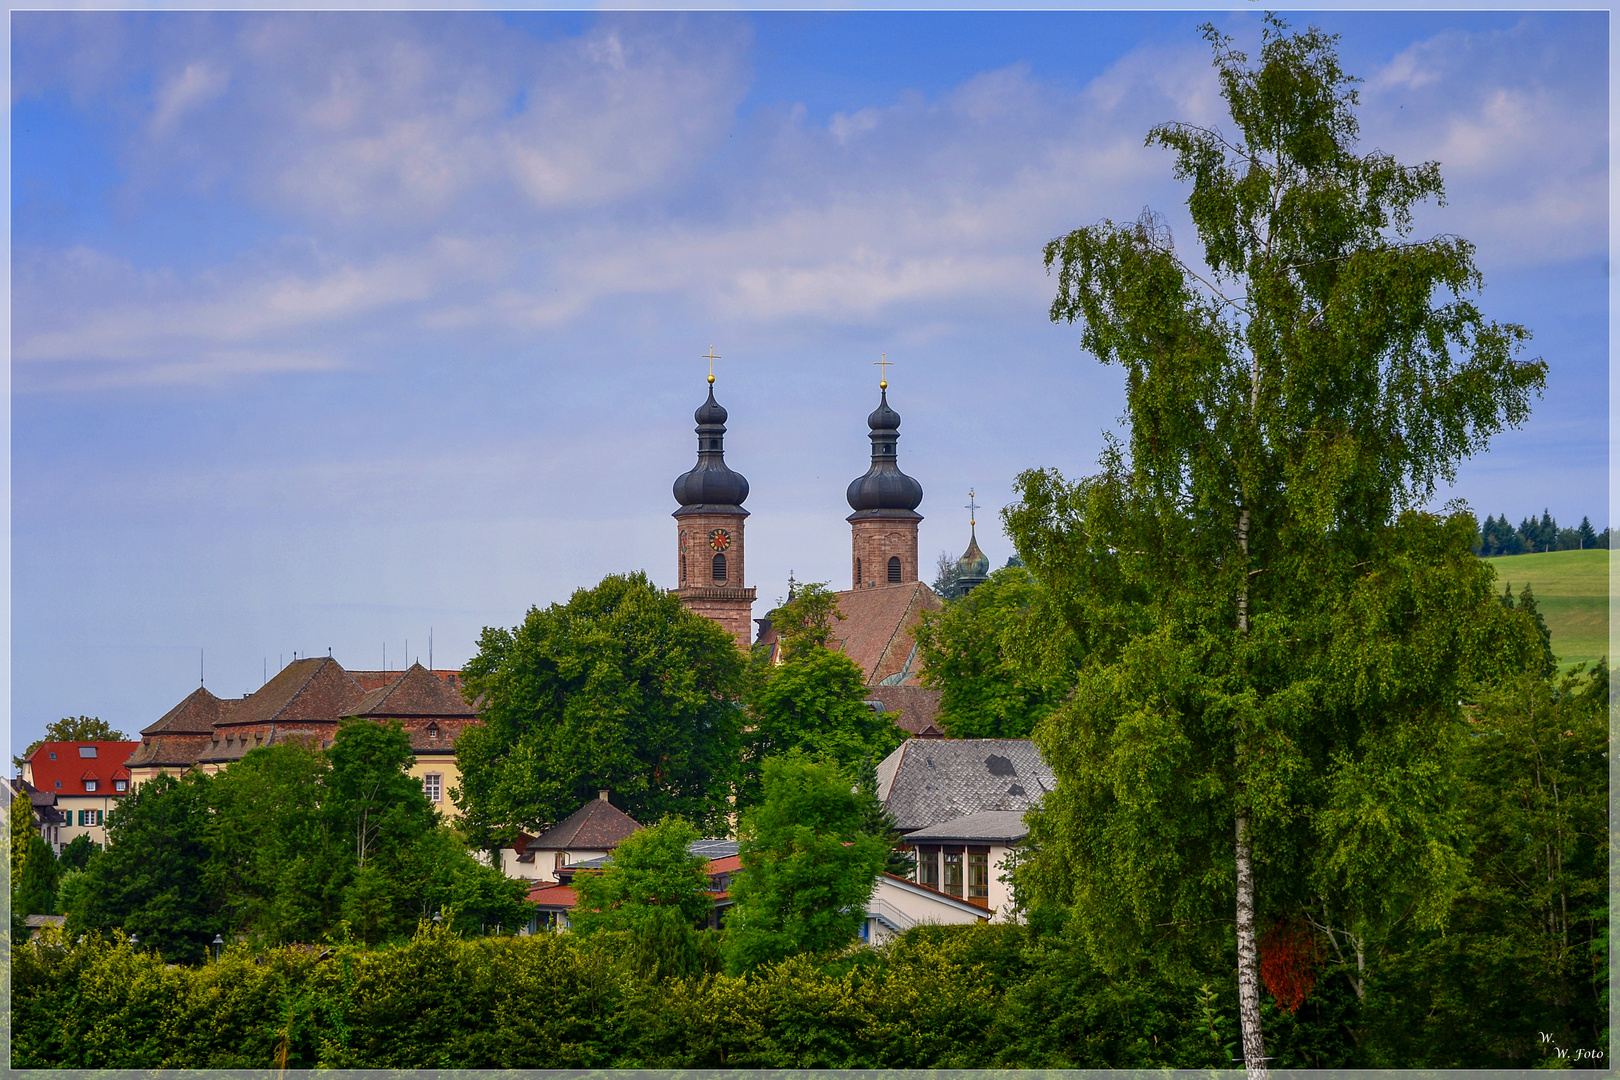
<point x="709" y="485"/>
<point x="884" y="491"/>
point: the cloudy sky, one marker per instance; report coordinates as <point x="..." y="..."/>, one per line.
<point x="331" y="329"/>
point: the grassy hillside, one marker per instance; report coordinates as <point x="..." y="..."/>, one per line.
<point x="1572" y="592"/>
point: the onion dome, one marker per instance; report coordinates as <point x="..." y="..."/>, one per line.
<point x="884" y="491"/>
<point x="711" y="487"/>
<point x="974" y="564"/>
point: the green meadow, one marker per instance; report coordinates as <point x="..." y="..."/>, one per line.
<point x="1572" y="592"/>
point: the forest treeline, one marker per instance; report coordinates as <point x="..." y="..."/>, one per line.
<point x="1496" y="536"/>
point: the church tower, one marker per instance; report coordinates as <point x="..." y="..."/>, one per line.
<point x="884" y="524"/>
<point x="709" y="530"/>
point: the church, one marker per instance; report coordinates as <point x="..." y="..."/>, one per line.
<point x="886" y="598"/>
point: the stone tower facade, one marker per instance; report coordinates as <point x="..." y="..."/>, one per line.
<point x="883" y="527"/>
<point x="709" y="531"/>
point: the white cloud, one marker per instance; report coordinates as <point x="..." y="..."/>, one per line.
<point x="200" y="82"/>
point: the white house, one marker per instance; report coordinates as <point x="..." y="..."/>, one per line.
<point x="966" y="857"/>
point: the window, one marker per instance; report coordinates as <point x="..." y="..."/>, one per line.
<point x="433" y="731"/>
<point x="58" y="783"/>
<point x="894" y="569"/>
<point x="928" y="867"/>
<point x="87" y="751"/>
<point x="432" y="786"/>
<point x="979" y="876"/>
<point x="87" y="818"/>
<point x="557" y="862"/>
<point x="953" y="874"/>
<point x="90" y="785"/>
<point x="857" y="571"/>
<point x="683" y="566"/>
<point x="53" y="758"/>
<point x="120" y="785"/>
<point x="719" y="568"/>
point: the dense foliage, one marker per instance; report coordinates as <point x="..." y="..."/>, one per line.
<point x="812" y="700"/>
<point x="654" y="892"/>
<point x="620" y="688"/>
<point x="1275" y="638"/>
<point x="289" y="844"/>
<point x="998" y="657"/>
<point x="1497" y="537"/>
<point x="808" y="865"/>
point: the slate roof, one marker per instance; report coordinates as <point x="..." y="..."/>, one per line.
<point x="596" y="826"/>
<point x="930" y="781"/>
<point x="912" y="708"/>
<point x="1006" y="826"/>
<point x="876" y="629"/>
<point x="416" y="691"/>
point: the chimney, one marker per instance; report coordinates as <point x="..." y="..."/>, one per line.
<point x="602" y="795"/>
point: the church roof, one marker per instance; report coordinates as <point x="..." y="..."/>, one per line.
<point x="416" y="691"/>
<point x="876" y="629"/>
<point x="596" y="826"/>
<point x="974" y="563"/>
<point x="912" y="708"/>
<point x="710" y="485"/>
<point x="930" y="781"/>
<point x="884" y="491"/>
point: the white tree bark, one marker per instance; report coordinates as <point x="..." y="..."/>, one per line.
<point x="1254" y="1042"/>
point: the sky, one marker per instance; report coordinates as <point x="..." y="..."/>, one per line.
<point x="332" y="331"/>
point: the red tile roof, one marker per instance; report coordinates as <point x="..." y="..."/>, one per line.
<point x="549" y="894"/>
<point x="70" y="770"/>
<point x="316" y="688"/>
<point x="912" y="708"/>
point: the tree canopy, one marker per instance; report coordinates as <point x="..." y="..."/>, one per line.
<point x="622" y="688"/>
<point x="1275" y="636"/>
<point x="654" y="890"/>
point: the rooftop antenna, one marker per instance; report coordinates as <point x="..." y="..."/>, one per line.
<point x="200" y="680"/>
<point x="430" y="648"/>
<point x="407" y="649"/>
<point x="264" y="672"/>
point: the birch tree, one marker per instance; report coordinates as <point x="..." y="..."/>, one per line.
<point x="1277" y="636"/>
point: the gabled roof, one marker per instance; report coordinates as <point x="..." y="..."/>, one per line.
<point x="196" y="715"/>
<point x="416" y="691"/>
<point x="876" y="629"/>
<point x="315" y="688"/>
<point x="930" y="781"/>
<point x="69" y="768"/>
<point x="166" y="749"/>
<point x="553" y="897"/>
<point x="596" y="826"/>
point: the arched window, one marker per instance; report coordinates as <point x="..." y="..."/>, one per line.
<point x="894" y="569"/>
<point x="857" y="571"/>
<point x="683" y="566"/>
<point x="719" y="568"/>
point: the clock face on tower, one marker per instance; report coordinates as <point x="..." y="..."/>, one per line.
<point x="719" y="540"/>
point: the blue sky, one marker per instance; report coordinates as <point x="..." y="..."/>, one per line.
<point x="329" y="329"/>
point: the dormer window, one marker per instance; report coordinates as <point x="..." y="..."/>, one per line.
<point x="120" y="785"/>
<point x="90" y="785"/>
<point x="433" y="731"/>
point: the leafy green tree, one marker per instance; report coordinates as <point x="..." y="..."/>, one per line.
<point x="152" y="878"/>
<point x="33" y="864"/>
<point x="72" y="729"/>
<point x="1526" y="604"/>
<point x="813" y="700"/>
<point x="620" y="688"/>
<point x="877" y="821"/>
<point x="808" y="867"/>
<point x="998" y="657"/>
<point x="76" y="852"/>
<point x="656" y="892"/>
<point x="1276" y="639"/>
<point x="278" y="864"/>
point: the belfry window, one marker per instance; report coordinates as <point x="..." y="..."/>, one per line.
<point x="857" y="571"/>
<point x="683" y="566"/>
<point x="719" y="568"/>
<point x="894" y="569"/>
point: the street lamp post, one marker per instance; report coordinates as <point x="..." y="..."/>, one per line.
<point x="218" y="943"/>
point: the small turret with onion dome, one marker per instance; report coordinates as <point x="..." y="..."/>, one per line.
<point x="973" y="568"/>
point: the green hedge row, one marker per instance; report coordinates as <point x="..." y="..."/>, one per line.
<point x="956" y="997"/>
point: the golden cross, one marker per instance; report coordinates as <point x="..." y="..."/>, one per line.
<point x="711" y="358"/>
<point x="972" y="508"/>
<point x="885" y="364"/>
